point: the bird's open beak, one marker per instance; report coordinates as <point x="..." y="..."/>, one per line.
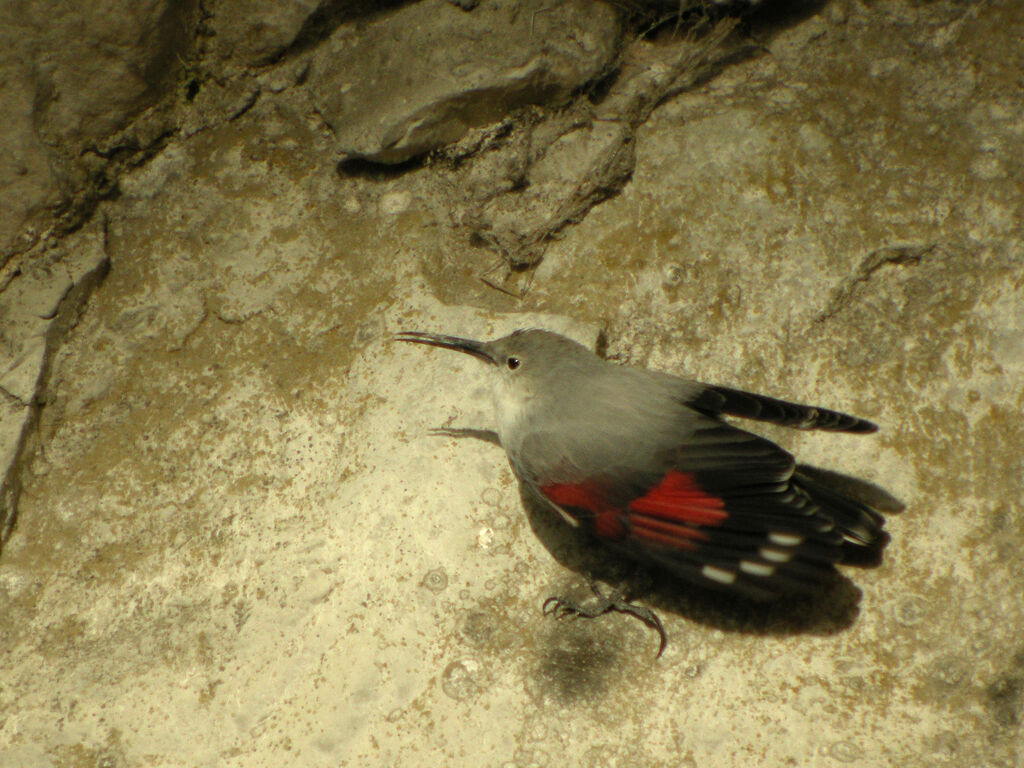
<point x="470" y="347"/>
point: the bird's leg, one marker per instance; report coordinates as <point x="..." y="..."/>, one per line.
<point x="560" y="607"/>
<point x="487" y="435"/>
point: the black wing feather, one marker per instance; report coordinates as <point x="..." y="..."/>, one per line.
<point x="715" y="400"/>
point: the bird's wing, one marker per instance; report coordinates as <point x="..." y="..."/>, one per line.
<point x="724" y="510"/>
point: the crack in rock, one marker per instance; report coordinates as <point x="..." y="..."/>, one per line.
<point x="34" y="339"/>
<point x="896" y="255"/>
<point x="578" y="157"/>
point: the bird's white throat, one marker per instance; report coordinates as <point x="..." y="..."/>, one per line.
<point x="512" y="401"/>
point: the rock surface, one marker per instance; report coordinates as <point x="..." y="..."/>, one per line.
<point x="71" y="77"/>
<point x="235" y="524"/>
<point x="243" y="33"/>
<point x="420" y="78"/>
<point x="40" y="304"/>
<point x="564" y="166"/>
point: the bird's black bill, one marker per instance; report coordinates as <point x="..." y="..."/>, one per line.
<point x="468" y="346"/>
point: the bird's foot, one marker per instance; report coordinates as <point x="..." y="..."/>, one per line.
<point x="560" y="607"/>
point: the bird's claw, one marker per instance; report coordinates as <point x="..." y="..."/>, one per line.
<point x="561" y="607"/>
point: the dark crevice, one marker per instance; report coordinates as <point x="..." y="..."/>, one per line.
<point x="774" y="16"/>
<point x="330" y="15"/>
<point x="248" y="104"/>
<point x="599" y="88"/>
<point x="361" y="168"/>
<point x="660" y="20"/>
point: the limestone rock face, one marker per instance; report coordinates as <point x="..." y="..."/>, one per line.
<point x="28" y="181"/>
<point x="101" y="62"/>
<point x="71" y="76"/>
<point x="417" y="79"/>
<point x="226" y="511"/>
<point x="38" y="306"/>
<point x="252" y="32"/>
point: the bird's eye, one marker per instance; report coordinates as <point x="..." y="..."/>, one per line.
<point x="512" y="363"/>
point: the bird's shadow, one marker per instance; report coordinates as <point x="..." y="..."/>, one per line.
<point x="831" y="610"/>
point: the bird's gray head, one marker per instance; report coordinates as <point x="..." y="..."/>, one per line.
<point x="521" y="354"/>
<point x="525" y="367"/>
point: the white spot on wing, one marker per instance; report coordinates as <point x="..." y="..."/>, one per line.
<point x="785" y="539"/>
<point x="756" y="569"/>
<point x="720" y="575"/>
<point x="774" y="555"/>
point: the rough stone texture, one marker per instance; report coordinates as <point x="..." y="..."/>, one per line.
<point x="101" y="63"/>
<point x="564" y="166"/>
<point x="40" y="303"/>
<point x="28" y="183"/>
<point x="420" y="78"/>
<point x="71" y="76"/>
<point x="243" y="33"/>
<point x="235" y="524"/>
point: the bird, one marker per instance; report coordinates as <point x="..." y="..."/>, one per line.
<point x="646" y="463"/>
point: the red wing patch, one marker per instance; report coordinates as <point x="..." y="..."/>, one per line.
<point x="605" y="521"/>
<point x="661" y="532"/>
<point x="672" y="512"/>
<point x="586" y="495"/>
<point x="679" y="499"/>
